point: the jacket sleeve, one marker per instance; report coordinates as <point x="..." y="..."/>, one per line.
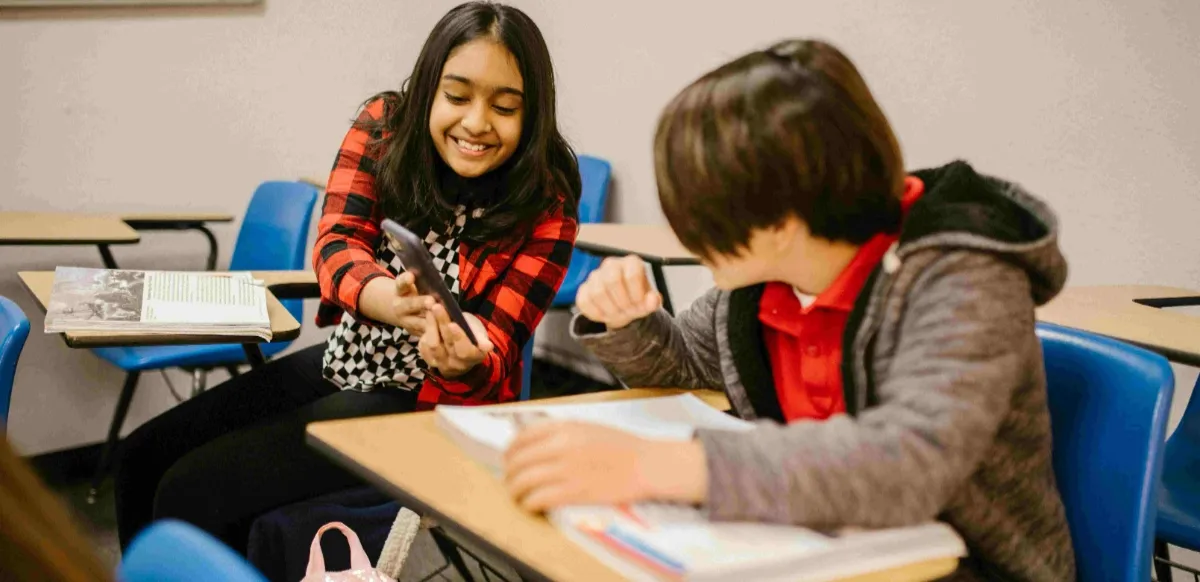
<point x="348" y="231"/>
<point x="966" y="343"/>
<point x="517" y="303"/>
<point x="660" y="351"/>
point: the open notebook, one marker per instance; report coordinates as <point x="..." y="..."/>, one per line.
<point x="157" y="301"/>
<point x="670" y="542"/>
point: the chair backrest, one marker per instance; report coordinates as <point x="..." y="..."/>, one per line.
<point x="1109" y="403"/>
<point x="1183" y="448"/>
<point x="274" y="232"/>
<point x="595" y="174"/>
<point x="14" y="328"/>
<point x="174" y="551"/>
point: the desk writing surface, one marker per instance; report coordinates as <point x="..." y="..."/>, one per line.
<point x="283" y="325"/>
<point x="1112" y="311"/>
<point x="278" y="278"/>
<point x="431" y="475"/>
<point x="174" y="217"/>
<point x="655" y="243"/>
<point x="63" y="228"/>
<point x="318" y="182"/>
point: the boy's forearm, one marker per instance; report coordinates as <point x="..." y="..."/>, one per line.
<point x="649" y="352"/>
<point x="660" y="350"/>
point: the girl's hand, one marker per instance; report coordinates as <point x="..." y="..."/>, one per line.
<point x="409" y="309"/>
<point x="618" y="293"/>
<point x="445" y="346"/>
<point x="573" y="463"/>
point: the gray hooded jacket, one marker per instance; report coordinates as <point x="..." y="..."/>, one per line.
<point x="944" y="386"/>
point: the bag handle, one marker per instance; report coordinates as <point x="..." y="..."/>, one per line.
<point x="358" y="557"/>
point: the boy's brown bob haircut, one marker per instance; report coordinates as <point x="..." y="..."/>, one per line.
<point x="788" y="131"/>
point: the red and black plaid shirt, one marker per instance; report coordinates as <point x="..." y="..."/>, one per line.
<point x="507" y="283"/>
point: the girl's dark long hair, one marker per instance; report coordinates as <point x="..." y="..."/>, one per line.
<point x="542" y="169"/>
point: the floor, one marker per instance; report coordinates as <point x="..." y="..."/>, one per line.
<point x="424" y="561"/>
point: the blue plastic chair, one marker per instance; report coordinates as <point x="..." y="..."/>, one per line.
<point x="1109" y="403"/>
<point x="595" y="174"/>
<point x="273" y="237"/>
<point x="14" y="329"/>
<point x="1179" y="499"/>
<point x="174" y="551"/>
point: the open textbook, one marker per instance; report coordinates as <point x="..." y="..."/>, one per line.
<point x="157" y="301"/>
<point x="672" y="542"/>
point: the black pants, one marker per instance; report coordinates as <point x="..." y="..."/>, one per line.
<point x="238" y="450"/>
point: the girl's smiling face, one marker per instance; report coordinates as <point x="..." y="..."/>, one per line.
<point x="476" y="117"/>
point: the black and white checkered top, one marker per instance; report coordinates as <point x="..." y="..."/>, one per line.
<point x="364" y="355"/>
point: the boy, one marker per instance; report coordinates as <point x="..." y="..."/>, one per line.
<point x="878" y="325"/>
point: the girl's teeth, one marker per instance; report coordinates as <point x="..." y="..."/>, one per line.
<point x="471" y="146"/>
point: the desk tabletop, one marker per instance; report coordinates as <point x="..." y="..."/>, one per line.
<point x="432" y="476"/>
<point x="291" y="284"/>
<point x="1113" y="311"/>
<point x="64" y="228"/>
<point x="283" y="326"/>
<point x="150" y="219"/>
<point x="313" y="180"/>
<point x="653" y="243"/>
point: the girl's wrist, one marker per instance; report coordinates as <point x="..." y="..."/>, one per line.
<point x="451" y="373"/>
<point x="376" y="298"/>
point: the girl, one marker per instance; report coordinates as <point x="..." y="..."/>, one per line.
<point x="879" y="325"/>
<point x="468" y="155"/>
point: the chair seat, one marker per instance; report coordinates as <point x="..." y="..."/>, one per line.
<point x="139" y="358"/>
<point x="1179" y="511"/>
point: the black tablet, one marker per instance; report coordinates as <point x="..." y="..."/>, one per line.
<point x="416" y="260"/>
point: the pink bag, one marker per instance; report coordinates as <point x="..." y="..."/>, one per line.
<point x="360" y="565"/>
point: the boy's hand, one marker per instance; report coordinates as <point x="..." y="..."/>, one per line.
<point x="573" y="463"/>
<point x="618" y="293"/>
<point x="445" y="345"/>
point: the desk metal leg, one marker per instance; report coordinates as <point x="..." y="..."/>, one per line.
<point x="254" y="355"/>
<point x="106" y="256"/>
<point x="449" y="551"/>
<point x="114" y="435"/>
<point x="1162" y="569"/>
<point x="211" y="265"/>
<point x="660" y="281"/>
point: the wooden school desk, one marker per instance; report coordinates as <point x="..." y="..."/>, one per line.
<point x="102" y="230"/>
<point x="406" y="455"/>
<point x="655" y="244"/>
<point x="1131" y="313"/>
<point x="283" y="326"/>
<point x="314" y="181"/>
<point x="63" y="228"/>
<point x="197" y="221"/>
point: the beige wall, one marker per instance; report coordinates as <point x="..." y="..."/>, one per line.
<point x="1092" y="104"/>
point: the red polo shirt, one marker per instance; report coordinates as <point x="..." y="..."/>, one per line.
<point x="804" y="344"/>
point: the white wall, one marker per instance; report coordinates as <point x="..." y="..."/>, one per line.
<point x="1092" y="104"/>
